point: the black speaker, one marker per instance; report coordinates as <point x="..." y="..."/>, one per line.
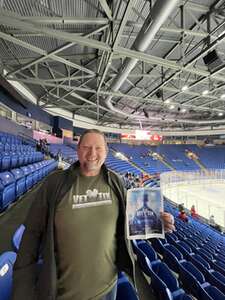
<point x="145" y="113"/>
<point x="159" y="94"/>
<point x="212" y="60"/>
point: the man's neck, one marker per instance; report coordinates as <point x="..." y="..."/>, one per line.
<point x="89" y="173"/>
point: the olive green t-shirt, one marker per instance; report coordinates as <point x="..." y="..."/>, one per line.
<point x="85" y="227"/>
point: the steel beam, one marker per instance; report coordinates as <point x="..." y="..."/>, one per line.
<point x="106" y="9"/>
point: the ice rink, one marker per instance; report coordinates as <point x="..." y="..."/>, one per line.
<point x="207" y="196"/>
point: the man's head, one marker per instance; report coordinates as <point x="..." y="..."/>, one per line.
<point x="92" y="151"/>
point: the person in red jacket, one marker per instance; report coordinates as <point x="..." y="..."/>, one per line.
<point x="193" y="212"/>
<point x="182" y="215"/>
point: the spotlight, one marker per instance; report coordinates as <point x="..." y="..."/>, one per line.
<point x="220" y="114"/>
<point x="184" y="88"/>
<point x="205" y="92"/>
<point x="183" y="110"/>
<point x="222" y="96"/>
<point x="167" y="101"/>
<point x="172" y="106"/>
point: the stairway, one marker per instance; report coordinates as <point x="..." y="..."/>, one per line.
<point x="131" y="162"/>
<point x="199" y="163"/>
<point x="165" y="163"/>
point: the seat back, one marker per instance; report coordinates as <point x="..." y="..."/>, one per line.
<point x="17" y="237"/>
<point x="6" y="271"/>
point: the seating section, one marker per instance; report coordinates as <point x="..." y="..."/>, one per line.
<point x="189" y="262"/>
<point x="174" y="155"/>
<point x="67" y="153"/>
<point x="139" y="156"/>
<point x="120" y="166"/>
<point x="14" y="153"/>
<point x="205" y="155"/>
<point x="16" y="182"/>
<point x="21" y="167"/>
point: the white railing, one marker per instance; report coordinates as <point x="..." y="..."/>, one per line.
<point x="204" y="188"/>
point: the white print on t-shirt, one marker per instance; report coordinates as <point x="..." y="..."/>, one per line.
<point x="91" y="198"/>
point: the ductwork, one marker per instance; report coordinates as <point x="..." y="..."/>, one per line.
<point x="158" y="15"/>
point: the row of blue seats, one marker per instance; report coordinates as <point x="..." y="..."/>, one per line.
<point x="162" y="281"/>
<point x="191" y="278"/>
<point x="14" y="160"/>
<point x="16" y="148"/>
<point x="125" y="289"/>
<point x="9" y="138"/>
<point x="16" y="182"/>
<point x="151" y="183"/>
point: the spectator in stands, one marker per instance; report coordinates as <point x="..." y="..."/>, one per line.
<point x="193" y="212"/>
<point x="38" y="146"/>
<point x="76" y="224"/>
<point x="213" y="224"/>
<point x="212" y="221"/>
<point x="182" y="216"/>
<point x="181" y="207"/>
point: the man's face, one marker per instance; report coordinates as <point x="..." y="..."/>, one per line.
<point x="92" y="153"/>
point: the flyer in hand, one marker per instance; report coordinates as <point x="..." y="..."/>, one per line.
<point x="143" y="213"/>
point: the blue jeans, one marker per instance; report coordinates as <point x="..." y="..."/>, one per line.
<point x="111" y="294"/>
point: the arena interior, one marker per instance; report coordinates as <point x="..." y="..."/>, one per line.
<point x="150" y="74"/>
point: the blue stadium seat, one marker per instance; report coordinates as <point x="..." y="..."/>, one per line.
<point x="29" y="177"/>
<point x="172" y="257"/>
<point x="17" y="237"/>
<point x="148" y="251"/>
<point x="5" y="161"/>
<point x="158" y="245"/>
<point x="7" y="189"/>
<point x="7" y="260"/>
<point x="20" y="181"/>
<point x="194" y="281"/>
<point x="164" y="283"/>
<point x="14" y="160"/>
<point x="124" y="289"/>
<point x="141" y="258"/>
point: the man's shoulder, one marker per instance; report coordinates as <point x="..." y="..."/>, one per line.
<point x="115" y="176"/>
<point x="55" y="178"/>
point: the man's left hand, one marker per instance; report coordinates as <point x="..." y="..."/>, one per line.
<point x="168" y="221"/>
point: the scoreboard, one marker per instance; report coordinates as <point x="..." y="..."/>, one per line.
<point x="142" y="135"/>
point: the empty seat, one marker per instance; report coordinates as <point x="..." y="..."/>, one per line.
<point x="29" y="177"/>
<point x="7" y="189"/>
<point x="7" y="260"/>
<point x="20" y="181"/>
<point x="164" y="283"/>
<point x="172" y="257"/>
<point x="124" y="289"/>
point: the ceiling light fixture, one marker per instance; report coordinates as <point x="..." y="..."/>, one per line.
<point x="183" y="110"/>
<point x="222" y="96"/>
<point x="172" y="106"/>
<point x="167" y="101"/>
<point x="205" y="92"/>
<point x="184" y="88"/>
<point x="220" y="114"/>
